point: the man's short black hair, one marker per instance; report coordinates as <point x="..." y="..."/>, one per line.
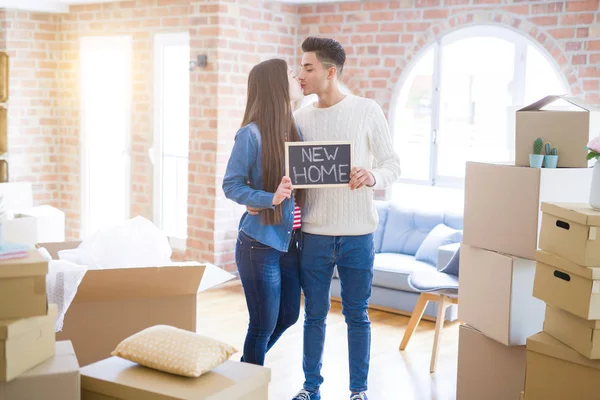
<point x="327" y="51"/>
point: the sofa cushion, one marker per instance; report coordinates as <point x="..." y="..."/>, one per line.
<point x="382" y="213"/>
<point x="439" y="236"/>
<point x="391" y="270"/>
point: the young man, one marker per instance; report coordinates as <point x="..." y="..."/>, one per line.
<point x="338" y="223"/>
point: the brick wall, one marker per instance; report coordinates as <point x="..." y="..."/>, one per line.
<point x="251" y="31"/>
<point x="383" y="37"/>
<point x="33" y="121"/>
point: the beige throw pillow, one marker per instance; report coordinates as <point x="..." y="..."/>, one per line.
<point x="177" y="351"/>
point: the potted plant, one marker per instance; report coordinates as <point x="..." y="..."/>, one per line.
<point x="537" y="158"/>
<point x="594" y="153"/>
<point x="551" y="157"/>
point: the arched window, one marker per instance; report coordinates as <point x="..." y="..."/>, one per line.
<point x="457" y="102"/>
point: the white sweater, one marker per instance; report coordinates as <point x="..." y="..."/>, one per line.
<point x="340" y="211"/>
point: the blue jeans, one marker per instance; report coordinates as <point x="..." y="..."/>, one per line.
<point x="271" y="281"/>
<point x="353" y="256"/>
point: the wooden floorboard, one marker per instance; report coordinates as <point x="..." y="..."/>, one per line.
<point x="394" y="375"/>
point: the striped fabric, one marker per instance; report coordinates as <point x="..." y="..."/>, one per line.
<point x="297" y="217"/>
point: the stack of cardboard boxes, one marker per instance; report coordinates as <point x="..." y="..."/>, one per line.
<point x="563" y="361"/>
<point x="502" y="219"/>
<point x="32" y="364"/>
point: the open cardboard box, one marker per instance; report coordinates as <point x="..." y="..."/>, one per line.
<point x="568" y="127"/>
<point x="113" y="304"/>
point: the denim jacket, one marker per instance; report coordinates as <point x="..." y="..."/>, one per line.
<point x="245" y="166"/>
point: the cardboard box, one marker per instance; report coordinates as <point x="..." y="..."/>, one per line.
<point x="496" y="295"/>
<point x="113" y="304"/>
<point x="566" y="285"/>
<point x="55" y="379"/>
<point x="23" y="287"/>
<point x="572" y="231"/>
<point x="580" y="334"/>
<point x="115" y="378"/>
<point x="557" y="372"/>
<point x="487" y="369"/>
<point x="16" y="195"/>
<point x="568" y="128"/>
<point x="35" y="225"/>
<point x="26" y="343"/>
<point x="502" y="203"/>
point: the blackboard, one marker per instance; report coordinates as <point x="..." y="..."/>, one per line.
<point x="318" y="164"/>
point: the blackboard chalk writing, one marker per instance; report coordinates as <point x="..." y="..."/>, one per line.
<point x="318" y="164"/>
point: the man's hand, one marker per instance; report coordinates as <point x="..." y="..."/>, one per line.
<point x="360" y="177"/>
<point x="252" y="210"/>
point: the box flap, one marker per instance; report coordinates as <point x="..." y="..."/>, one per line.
<point x="10" y="329"/>
<point x="32" y="265"/>
<point x="136" y="283"/>
<point x="116" y="377"/>
<point x="580" y="213"/>
<point x="546" y="101"/>
<point x="54" y="248"/>
<point x="543" y="343"/>
<point x="566" y="265"/>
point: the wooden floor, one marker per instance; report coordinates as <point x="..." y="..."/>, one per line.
<point x="394" y="375"/>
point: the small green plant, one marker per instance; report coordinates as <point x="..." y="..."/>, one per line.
<point x="554" y="151"/>
<point x="548" y="148"/>
<point x="537" y="146"/>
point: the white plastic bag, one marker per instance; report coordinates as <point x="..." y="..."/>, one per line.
<point x="62" y="282"/>
<point x="135" y="243"/>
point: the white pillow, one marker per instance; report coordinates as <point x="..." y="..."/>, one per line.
<point x="177" y="351"/>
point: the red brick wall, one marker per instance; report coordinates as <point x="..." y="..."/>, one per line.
<point x="33" y="120"/>
<point x="382" y="37"/>
<point x="251" y="31"/>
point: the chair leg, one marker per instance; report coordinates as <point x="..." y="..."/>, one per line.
<point x="415" y="318"/>
<point x="439" y="324"/>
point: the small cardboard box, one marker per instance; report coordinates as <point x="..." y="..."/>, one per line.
<point x="23" y="287"/>
<point x="25" y="343"/>
<point x="568" y="127"/>
<point x="113" y="304"/>
<point x="487" y="369"/>
<point x="496" y="295"/>
<point x="580" y="334"/>
<point x="55" y="379"/>
<point x="557" y="372"/>
<point x="572" y="231"/>
<point x="34" y="225"/>
<point x="118" y="379"/>
<point x="566" y="285"/>
<point x="502" y="203"/>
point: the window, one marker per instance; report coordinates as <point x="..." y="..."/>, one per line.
<point x="457" y="103"/>
<point x="171" y="134"/>
<point x="105" y="64"/>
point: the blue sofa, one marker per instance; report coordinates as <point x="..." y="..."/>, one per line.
<point x="408" y="239"/>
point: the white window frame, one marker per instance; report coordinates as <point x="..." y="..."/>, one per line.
<point x="84" y="148"/>
<point x="521" y="43"/>
<point x="161" y="40"/>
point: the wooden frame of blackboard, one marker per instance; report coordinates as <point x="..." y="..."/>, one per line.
<point x="316" y="143"/>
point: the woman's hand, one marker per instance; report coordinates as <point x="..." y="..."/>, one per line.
<point x="284" y="191"/>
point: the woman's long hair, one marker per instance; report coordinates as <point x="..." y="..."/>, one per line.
<point x="268" y="106"/>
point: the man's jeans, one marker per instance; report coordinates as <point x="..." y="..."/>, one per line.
<point x="353" y="256"/>
<point x="271" y="281"/>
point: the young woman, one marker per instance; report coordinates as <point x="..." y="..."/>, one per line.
<point x="267" y="253"/>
